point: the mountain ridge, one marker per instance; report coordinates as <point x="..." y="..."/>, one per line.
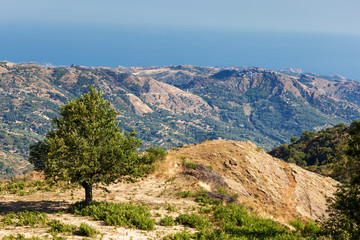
<point x="175" y="105"/>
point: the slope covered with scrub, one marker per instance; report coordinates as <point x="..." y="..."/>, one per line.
<point x="193" y="190"/>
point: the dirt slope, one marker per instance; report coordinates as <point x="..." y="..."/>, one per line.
<point x="271" y="186"/>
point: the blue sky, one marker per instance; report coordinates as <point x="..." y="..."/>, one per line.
<point x="319" y="36"/>
<point x="325" y="16"/>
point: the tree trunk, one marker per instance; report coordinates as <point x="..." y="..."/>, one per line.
<point x="88" y="193"/>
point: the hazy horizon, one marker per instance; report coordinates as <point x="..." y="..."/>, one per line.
<point x="320" y="36"/>
<point x="325" y="54"/>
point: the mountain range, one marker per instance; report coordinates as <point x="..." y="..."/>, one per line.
<point x="171" y="106"/>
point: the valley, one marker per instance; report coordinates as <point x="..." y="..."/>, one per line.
<point x="172" y="106"/>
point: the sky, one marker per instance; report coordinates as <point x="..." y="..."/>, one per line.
<point x="325" y="16"/>
<point x="93" y="32"/>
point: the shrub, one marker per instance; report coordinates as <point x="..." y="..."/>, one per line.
<point x="167" y="221"/>
<point x="171" y="207"/>
<point x="156" y="153"/>
<point x="231" y="215"/>
<point x="8" y="219"/>
<point x="86" y="230"/>
<point x="25" y="218"/>
<point x="190" y="165"/>
<point x="204" y="199"/>
<point x="235" y="219"/>
<point x="192" y="220"/>
<point x="19" y="237"/>
<point x="185" y="194"/>
<point x="298" y="224"/>
<point x="222" y="190"/>
<point x="117" y="214"/>
<point x="23" y="186"/>
<point x="210" y="167"/>
<point x="179" y="236"/>
<point x="308" y="228"/>
<point x="58" y="227"/>
<point x="312" y="229"/>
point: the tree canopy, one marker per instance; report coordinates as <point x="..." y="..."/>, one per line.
<point x="87" y="147"/>
<point x="344" y="222"/>
<point x="315" y="150"/>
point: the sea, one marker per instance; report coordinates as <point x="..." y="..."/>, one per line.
<point x="89" y="45"/>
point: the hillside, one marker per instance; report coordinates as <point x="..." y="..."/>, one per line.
<point x="315" y="150"/>
<point x="227" y="171"/>
<point x="174" y="105"/>
<point x="277" y="189"/>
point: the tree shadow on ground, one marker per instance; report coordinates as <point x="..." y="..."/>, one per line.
<point x="41" y="206"/>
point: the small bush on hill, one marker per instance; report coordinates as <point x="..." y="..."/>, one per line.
<point x="185" y="194"/>
<point x="58" y="227"/>
<point x="23" y="186"/>
<point x="190" y="165"/>
<point x="116" y="214"/>
<point x="19" y="237"/>
<point x="308" y="228"/>
<point x="204" y="199"/>
<point x="233" y="222"/>
<point x="156" y="153"/>
<point x="25" y="218"/>
<point x="86" y="230"/>
<point x="192" y="220"/>
<point x="167" y="221"/>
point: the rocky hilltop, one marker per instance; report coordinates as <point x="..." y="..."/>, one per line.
<point x="276" y="189"/>
<point x="175" y="105"/>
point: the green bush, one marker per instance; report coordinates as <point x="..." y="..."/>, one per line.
<point x="167" y="221"/>
<point x="117" y="214"/>
<point x="58" y="227"/>
<point x="192" y="220"/>
<point x="190" y="165"/>
<point x="204" y="199"/>
<point x="171" y="207"/>
<point x="185" y="194"/>
<point x="231" y="215"/>
<point x="312" y="229"/>
<point x="86" y="230"/>
<point x="210" y="167"/>
<point x="298" y="224"/>
<point x="179" y="236"/>
<point x="25" y="218"/>
<point x="235" y="220"/>
<point x="156" y="153"/>
<point x="308" y="228"/>
<point x="23" y="187"/>
<point x="222" y="190"/>
<point x="19" y="237"/>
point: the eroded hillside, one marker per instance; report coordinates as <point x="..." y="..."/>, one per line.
<point x="273" y="187"/>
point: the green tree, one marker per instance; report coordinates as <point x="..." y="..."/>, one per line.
<point x="344" y="222"/>
<point x="86" y="146"/>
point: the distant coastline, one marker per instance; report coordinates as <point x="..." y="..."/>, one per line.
<point x="324" y="54"/>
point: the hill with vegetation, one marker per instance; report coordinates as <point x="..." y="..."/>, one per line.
<point x="315" y="150"/>
<point x="173" y="105"/>
<point x="214" y="190"/>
